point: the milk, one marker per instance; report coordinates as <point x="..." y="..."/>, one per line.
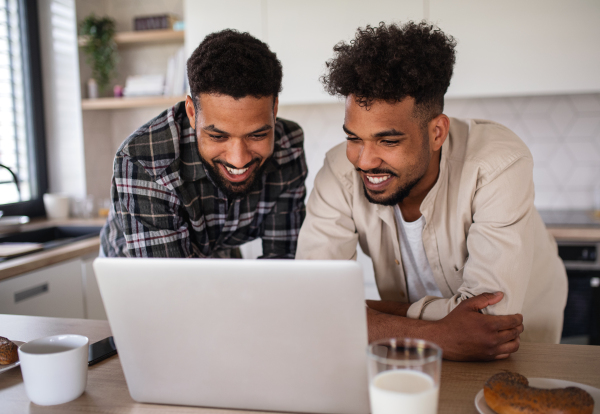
<point x="403" y="391"/>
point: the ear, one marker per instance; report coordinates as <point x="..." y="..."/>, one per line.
<point x="275" y="108"/>
<point x="190" y="110"/>
<point x="438" y="131"/>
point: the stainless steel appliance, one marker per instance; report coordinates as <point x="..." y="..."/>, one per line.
<point x="582" y="313"/>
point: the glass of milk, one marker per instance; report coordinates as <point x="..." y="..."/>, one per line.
<point x="404" y="376"/>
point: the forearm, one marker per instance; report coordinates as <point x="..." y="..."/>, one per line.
<point x="384" y="325"/>
<point x="464" y="334"/>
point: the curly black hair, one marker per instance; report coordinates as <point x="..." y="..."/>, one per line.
<point x="235" y="64"/>
<point x="390" y="63"/>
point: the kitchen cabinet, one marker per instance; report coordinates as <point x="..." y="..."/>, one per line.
<point x="94" y="308"/>
<point x="51" y="291"/>
<point x="504" y="48"/>
<point x="516" y="47"/>
<point x="302" y="34"/>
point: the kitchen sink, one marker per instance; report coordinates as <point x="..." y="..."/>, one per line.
<point x="51" y="237"/>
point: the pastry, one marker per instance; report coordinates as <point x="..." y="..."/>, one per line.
<point x="510" y="393"/>
<point x="8" y="352"/>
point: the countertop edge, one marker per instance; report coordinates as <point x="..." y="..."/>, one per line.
<point x="572" y="233"/>
<point x="34" y="261"/>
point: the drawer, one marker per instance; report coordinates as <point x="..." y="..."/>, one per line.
<point x="52" y="291"/>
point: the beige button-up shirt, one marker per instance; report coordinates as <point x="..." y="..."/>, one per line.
<point x="482" y="232"/>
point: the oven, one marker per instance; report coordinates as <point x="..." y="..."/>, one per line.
<point x="582" y="313"/>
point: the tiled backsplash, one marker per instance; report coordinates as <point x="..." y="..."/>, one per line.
<point x="562" y="132"/>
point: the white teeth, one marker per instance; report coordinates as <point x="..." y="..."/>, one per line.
<point x="377" y="180"/>
<point x="235" y="171"/>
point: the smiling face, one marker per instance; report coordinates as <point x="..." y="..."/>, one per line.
<point x="397" y="157"/>
<point x="235" y="138"/>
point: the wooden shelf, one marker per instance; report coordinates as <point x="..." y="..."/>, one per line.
<point x="124" y="103"/>
<point x="144" y="36"/>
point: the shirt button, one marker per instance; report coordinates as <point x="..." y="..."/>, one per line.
<point x="397" y="262"/>
<point x="401" y="294"/>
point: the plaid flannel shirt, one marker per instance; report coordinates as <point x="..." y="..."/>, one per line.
<point x="165" y="204"/>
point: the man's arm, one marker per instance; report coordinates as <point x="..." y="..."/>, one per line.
<point x="328" y="232"/>
<point x="464" y="334"/>
<point x="499" y="244"/>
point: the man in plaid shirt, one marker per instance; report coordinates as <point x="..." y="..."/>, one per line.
<point x="215" y="171"/>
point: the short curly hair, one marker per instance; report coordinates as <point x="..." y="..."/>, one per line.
<point x="235" y="64"/>
<point x="392" y="62"/>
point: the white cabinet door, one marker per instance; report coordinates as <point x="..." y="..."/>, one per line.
<point x="94" y="308"/>
<point x="206" y="16"/>
<point x="303" y="34"/>
<point x="52" y="291"/>
<point x="522" y="47"/>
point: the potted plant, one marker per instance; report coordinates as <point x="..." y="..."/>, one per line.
<point x="100" y="48"/>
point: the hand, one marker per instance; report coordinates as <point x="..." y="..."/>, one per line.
<point x="465" y="334"/>
<point x="389" y="306"/>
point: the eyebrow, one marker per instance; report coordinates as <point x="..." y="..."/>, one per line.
<point x="387" y="133"/>
<point x="212" y="128"/>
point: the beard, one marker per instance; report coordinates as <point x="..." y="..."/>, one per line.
<point x="236" y="190"/>
<point x="413" y="178"/>
<point x="397" y="196"/>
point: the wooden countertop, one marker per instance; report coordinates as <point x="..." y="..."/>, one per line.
<point x="33" y="261"/>
<point x="107" y="391"/>
<point x="27" y="263"/>
<point x="579" y="234"/>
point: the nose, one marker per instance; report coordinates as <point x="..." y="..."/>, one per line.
<point x="368" y="158"/>
<point x="238" y="154"/>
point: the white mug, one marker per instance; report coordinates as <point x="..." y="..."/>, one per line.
<point x="56" y="205"/>
<point x="54" y="368"/>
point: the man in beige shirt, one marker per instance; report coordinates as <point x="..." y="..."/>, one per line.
<point x="444" y="207"/>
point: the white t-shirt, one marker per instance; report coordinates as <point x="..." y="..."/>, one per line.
<point x="419" y="277"/>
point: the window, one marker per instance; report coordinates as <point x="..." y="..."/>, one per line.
<point x="22" y="157"/>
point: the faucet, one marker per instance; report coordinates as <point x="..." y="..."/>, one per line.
<point x="15" y="180"/>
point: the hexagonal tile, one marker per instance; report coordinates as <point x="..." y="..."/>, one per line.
<point x="584" y="152"/>
<point x="474" y="110"/>
<point x="561" y="201"/>
<point x="508" y="120"/>
<point x="540" y="128"/>
<point x="521" y="131"/>
<point x="544" y="200"/>
<point x="544" y="179"/>
<point x="586" y="103"/>
<point x="498" y="106"/>
<point x="542" y="152"/>
<point x="561" y="165"/>
<point x="584" y="126"/>
<point x="583" y="178"/>
<point x="519" y="102"/>
<point x="539" y="105"/>
<point x="578" y="199"/>
<point x="563" y="114"/>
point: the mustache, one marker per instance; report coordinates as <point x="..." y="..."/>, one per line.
<point x="254" y="161"/>
<point x="376" y="171"/>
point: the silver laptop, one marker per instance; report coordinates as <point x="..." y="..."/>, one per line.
<point x="278" y="335"/>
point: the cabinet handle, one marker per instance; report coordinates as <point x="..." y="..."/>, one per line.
<point x="31" y="292"/>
